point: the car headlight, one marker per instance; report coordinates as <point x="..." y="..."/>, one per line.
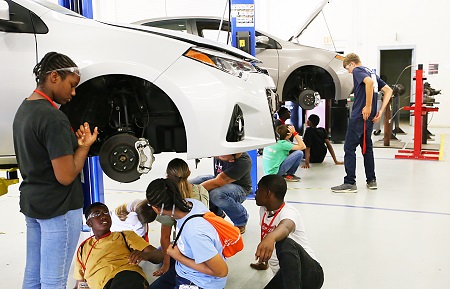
<point x="233" y="66"/>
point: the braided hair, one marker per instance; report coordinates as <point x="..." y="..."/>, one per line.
<point x="164" y="191"/>
<point x="178" y="172"/>
<point x="52" y="61"/>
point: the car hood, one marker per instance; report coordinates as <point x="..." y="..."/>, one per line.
<point x="189" y="38"/>
<point x="315" y="9"/>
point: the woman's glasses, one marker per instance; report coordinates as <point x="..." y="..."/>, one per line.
<point x="69" y="69"/>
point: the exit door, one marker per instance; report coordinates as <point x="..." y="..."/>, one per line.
<point x="395" y="68"/>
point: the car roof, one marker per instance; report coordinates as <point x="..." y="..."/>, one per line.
<point x="303" y="21"/>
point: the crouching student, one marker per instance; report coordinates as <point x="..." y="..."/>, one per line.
<point x="198" y="251"/>
<point x="178" y="172"/>
<point x="283" y="239"/>
<point x="110" y="260"/>
<point x="284" y="157"/>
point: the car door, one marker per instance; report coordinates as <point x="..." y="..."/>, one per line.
<point x="267" y="52"/>
<point x="18" y="57"/>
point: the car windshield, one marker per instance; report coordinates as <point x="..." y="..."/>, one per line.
<point x="57" y="8"/>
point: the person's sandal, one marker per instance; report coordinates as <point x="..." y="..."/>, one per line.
<point x="260" y="266"/>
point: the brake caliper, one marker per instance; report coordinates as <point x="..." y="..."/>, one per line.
<point x="146" y="157"/>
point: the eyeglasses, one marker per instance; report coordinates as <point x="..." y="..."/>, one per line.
<point x="69" y="69"/>
<point x="97" y="214"/>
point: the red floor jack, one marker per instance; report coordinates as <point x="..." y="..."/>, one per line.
<point x="420" y="110"/>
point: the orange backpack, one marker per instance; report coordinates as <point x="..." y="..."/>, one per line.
<point x="229" y="235"/>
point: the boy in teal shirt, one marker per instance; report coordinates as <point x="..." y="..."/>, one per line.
<point x="277" y="158"/>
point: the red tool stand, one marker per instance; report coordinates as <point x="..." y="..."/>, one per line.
<point x="420" y="110"/>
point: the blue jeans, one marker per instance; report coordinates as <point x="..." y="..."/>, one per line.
<point x="353" y="138"/>
<point x="228" y="198"/>
<point x="51" y="245"/>
<point x="290" y="164"/>
<point x="170" y="279"/>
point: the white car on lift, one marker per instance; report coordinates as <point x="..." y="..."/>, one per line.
<point x="147" y="89"/>
<point x="299" y="71"/>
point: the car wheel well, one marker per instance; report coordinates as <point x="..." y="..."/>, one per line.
<point x="119" y="103"/>
<point x="309" y="77"/>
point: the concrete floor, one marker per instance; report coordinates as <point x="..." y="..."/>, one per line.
<point x="393" y="238"/>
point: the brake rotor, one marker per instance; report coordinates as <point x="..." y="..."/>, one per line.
<point x="308" y="99"/>
<point x="119" y="158"/>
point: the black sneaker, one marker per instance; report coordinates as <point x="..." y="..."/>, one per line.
<point x="345" y="188"/>
<point x="372" y="185"/>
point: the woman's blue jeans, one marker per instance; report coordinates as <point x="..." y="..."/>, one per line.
<point x="228" y="198"/>
<point x="51" y="245"/>
<point x="354" y="138"/>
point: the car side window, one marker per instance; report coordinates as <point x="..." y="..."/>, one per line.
<point x="209" y="29"/>
<point x="271" y="44"/>
<point x="175" y="24"/>
<point x="22" y="20"/>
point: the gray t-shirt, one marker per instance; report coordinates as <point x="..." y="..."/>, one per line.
<point x="239" y="170"/>
<point x="42" y="133"/>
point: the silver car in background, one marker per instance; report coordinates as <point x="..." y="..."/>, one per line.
<point x="298" y="71"/>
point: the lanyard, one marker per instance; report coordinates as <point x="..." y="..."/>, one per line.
<point x="49" y="100"/>
<point x="89" y="253"/>
<point x="46" y="97"/>
<point x="364" y="146"/>
<point x="265" y="229"/>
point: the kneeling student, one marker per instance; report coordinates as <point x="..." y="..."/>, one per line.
<point x="283" y="239"/>
<point x="111" y="259"/>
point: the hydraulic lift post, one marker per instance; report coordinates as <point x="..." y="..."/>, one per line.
<point x="243" y="37"/>
<point x="92" y="175"/>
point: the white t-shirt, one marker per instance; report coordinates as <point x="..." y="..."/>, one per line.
<point x="131" y="223"/>
<point x="298" y="235"/>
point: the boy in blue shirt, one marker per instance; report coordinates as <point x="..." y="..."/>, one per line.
<point x="360" y="125"/>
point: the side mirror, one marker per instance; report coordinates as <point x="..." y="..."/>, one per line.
<point x="4" y="10"/>
<point x="262" y="42"/>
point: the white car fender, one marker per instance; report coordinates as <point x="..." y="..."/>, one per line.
<point x="118" y="67"/>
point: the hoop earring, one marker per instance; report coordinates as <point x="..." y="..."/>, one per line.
<point x="162" y="209"/>
<point x="173" y="210"/>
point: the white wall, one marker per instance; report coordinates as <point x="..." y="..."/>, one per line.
<point x="359" y="26"/>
